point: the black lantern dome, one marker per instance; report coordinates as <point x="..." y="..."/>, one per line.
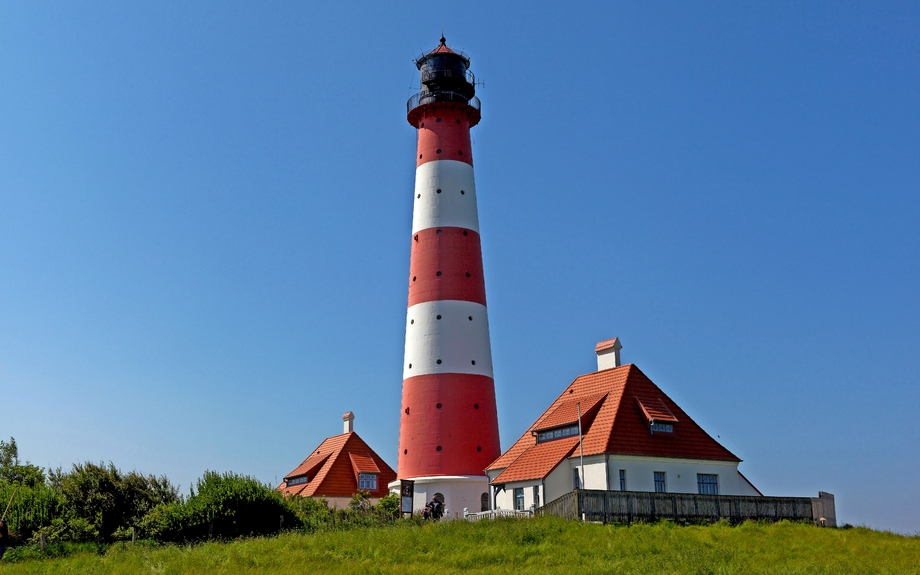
<point x="445" y="77"/>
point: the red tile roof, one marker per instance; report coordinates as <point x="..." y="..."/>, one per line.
<point x="567" y="413"/>
<point x="538" y="460"/>
<point x="332" y="470"/>
<point x="605" y="345"/>
<point x="620" y="426"/>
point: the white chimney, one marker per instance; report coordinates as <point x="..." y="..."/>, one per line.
<point x="608" y="353"/>
<point x="349" y="419"/>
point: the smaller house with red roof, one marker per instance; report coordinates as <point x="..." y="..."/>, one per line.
<point x="633" y="437"/>
<point x="340" y="467"/>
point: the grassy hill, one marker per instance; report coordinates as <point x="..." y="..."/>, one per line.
<point x="542" y="545"/>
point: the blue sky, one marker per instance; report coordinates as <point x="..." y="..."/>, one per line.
<point x="205" y="216"/>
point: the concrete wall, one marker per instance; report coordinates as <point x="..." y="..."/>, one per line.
<point x="342" y="502"/>
<point x="824" y="509"/>
<point x="459" y="492"/>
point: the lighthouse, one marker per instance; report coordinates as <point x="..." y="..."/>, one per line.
<point x="448" y="431"/>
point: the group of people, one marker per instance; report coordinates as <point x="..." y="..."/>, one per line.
<point x="433" y="510"/>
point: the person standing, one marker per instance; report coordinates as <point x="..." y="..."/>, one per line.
<point x="437" y="509"/>
<point x="4" y="537"/>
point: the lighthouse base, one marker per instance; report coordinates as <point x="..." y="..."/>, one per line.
<point x="469" y="492"/>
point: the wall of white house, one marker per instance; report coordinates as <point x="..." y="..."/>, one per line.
<point x="595" y="471"/>
<point x="680" y="477"/>
<point x="680" y="474"/>
<point x="505" y="499"/>
<point x="558" y="482"/>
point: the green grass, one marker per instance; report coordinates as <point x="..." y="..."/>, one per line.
<point x="542" y="545"/>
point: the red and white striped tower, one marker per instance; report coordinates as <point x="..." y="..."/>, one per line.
<point x="448" y="431"/>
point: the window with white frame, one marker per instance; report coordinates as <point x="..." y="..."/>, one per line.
<point x="576" y="479"/>
<point x="367" y="481"/>
<point x="707" y="483"/>
<point x="519" y="499"/>
<point x="622" y="480"/>
<point x="661" y="484"/>
<point x="536" y="495"/>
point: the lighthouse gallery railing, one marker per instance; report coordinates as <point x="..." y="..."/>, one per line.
<point x="423" y="98"/>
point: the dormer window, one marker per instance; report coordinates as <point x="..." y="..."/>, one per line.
<point x="658" y="427"/>
<point x="563" y="421"/>
<point x="660" y="419"/>
<point x="299" y="480"/>
<point x="557" y="433"/>
<point x="367" y="481"/>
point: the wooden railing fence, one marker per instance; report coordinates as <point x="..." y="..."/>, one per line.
<point x="635" y="506"/>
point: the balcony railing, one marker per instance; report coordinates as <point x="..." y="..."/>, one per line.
<point x="423" y="98"/>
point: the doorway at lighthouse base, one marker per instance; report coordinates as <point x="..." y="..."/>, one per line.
<point x="459" y="492"/>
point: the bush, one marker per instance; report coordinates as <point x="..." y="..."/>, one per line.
<point x="100" y="501"/>
<point x="223" y="505"/>
<point x="312" y="514"/>
<point x="31" y="510"/>
<point x="388" y="506"/>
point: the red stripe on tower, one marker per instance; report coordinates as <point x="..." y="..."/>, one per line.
<point x="448" y="430"/>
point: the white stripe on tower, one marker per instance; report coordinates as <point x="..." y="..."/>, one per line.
<point x="447" y="336"/>
<point x="445" y="196"/>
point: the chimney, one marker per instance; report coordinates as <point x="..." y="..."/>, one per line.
<point x="349" y="419"/>
<point x="608" y="353"/>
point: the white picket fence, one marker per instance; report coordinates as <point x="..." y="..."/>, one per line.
<point x="496" y="513"/>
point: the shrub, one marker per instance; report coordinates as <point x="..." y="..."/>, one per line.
<point x="100" y="500"/>
<point x="312" y="514"/>
<point x="360" y="502"/>
<point x="388" y="506"/>
<point x="223" y="505"/>
<point x="32" y="508"/>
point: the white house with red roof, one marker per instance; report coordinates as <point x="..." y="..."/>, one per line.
<point x="340" y="467"/>
<point x="633" y="438"/>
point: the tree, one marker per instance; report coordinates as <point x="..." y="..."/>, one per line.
<point x="12" y="471"/>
